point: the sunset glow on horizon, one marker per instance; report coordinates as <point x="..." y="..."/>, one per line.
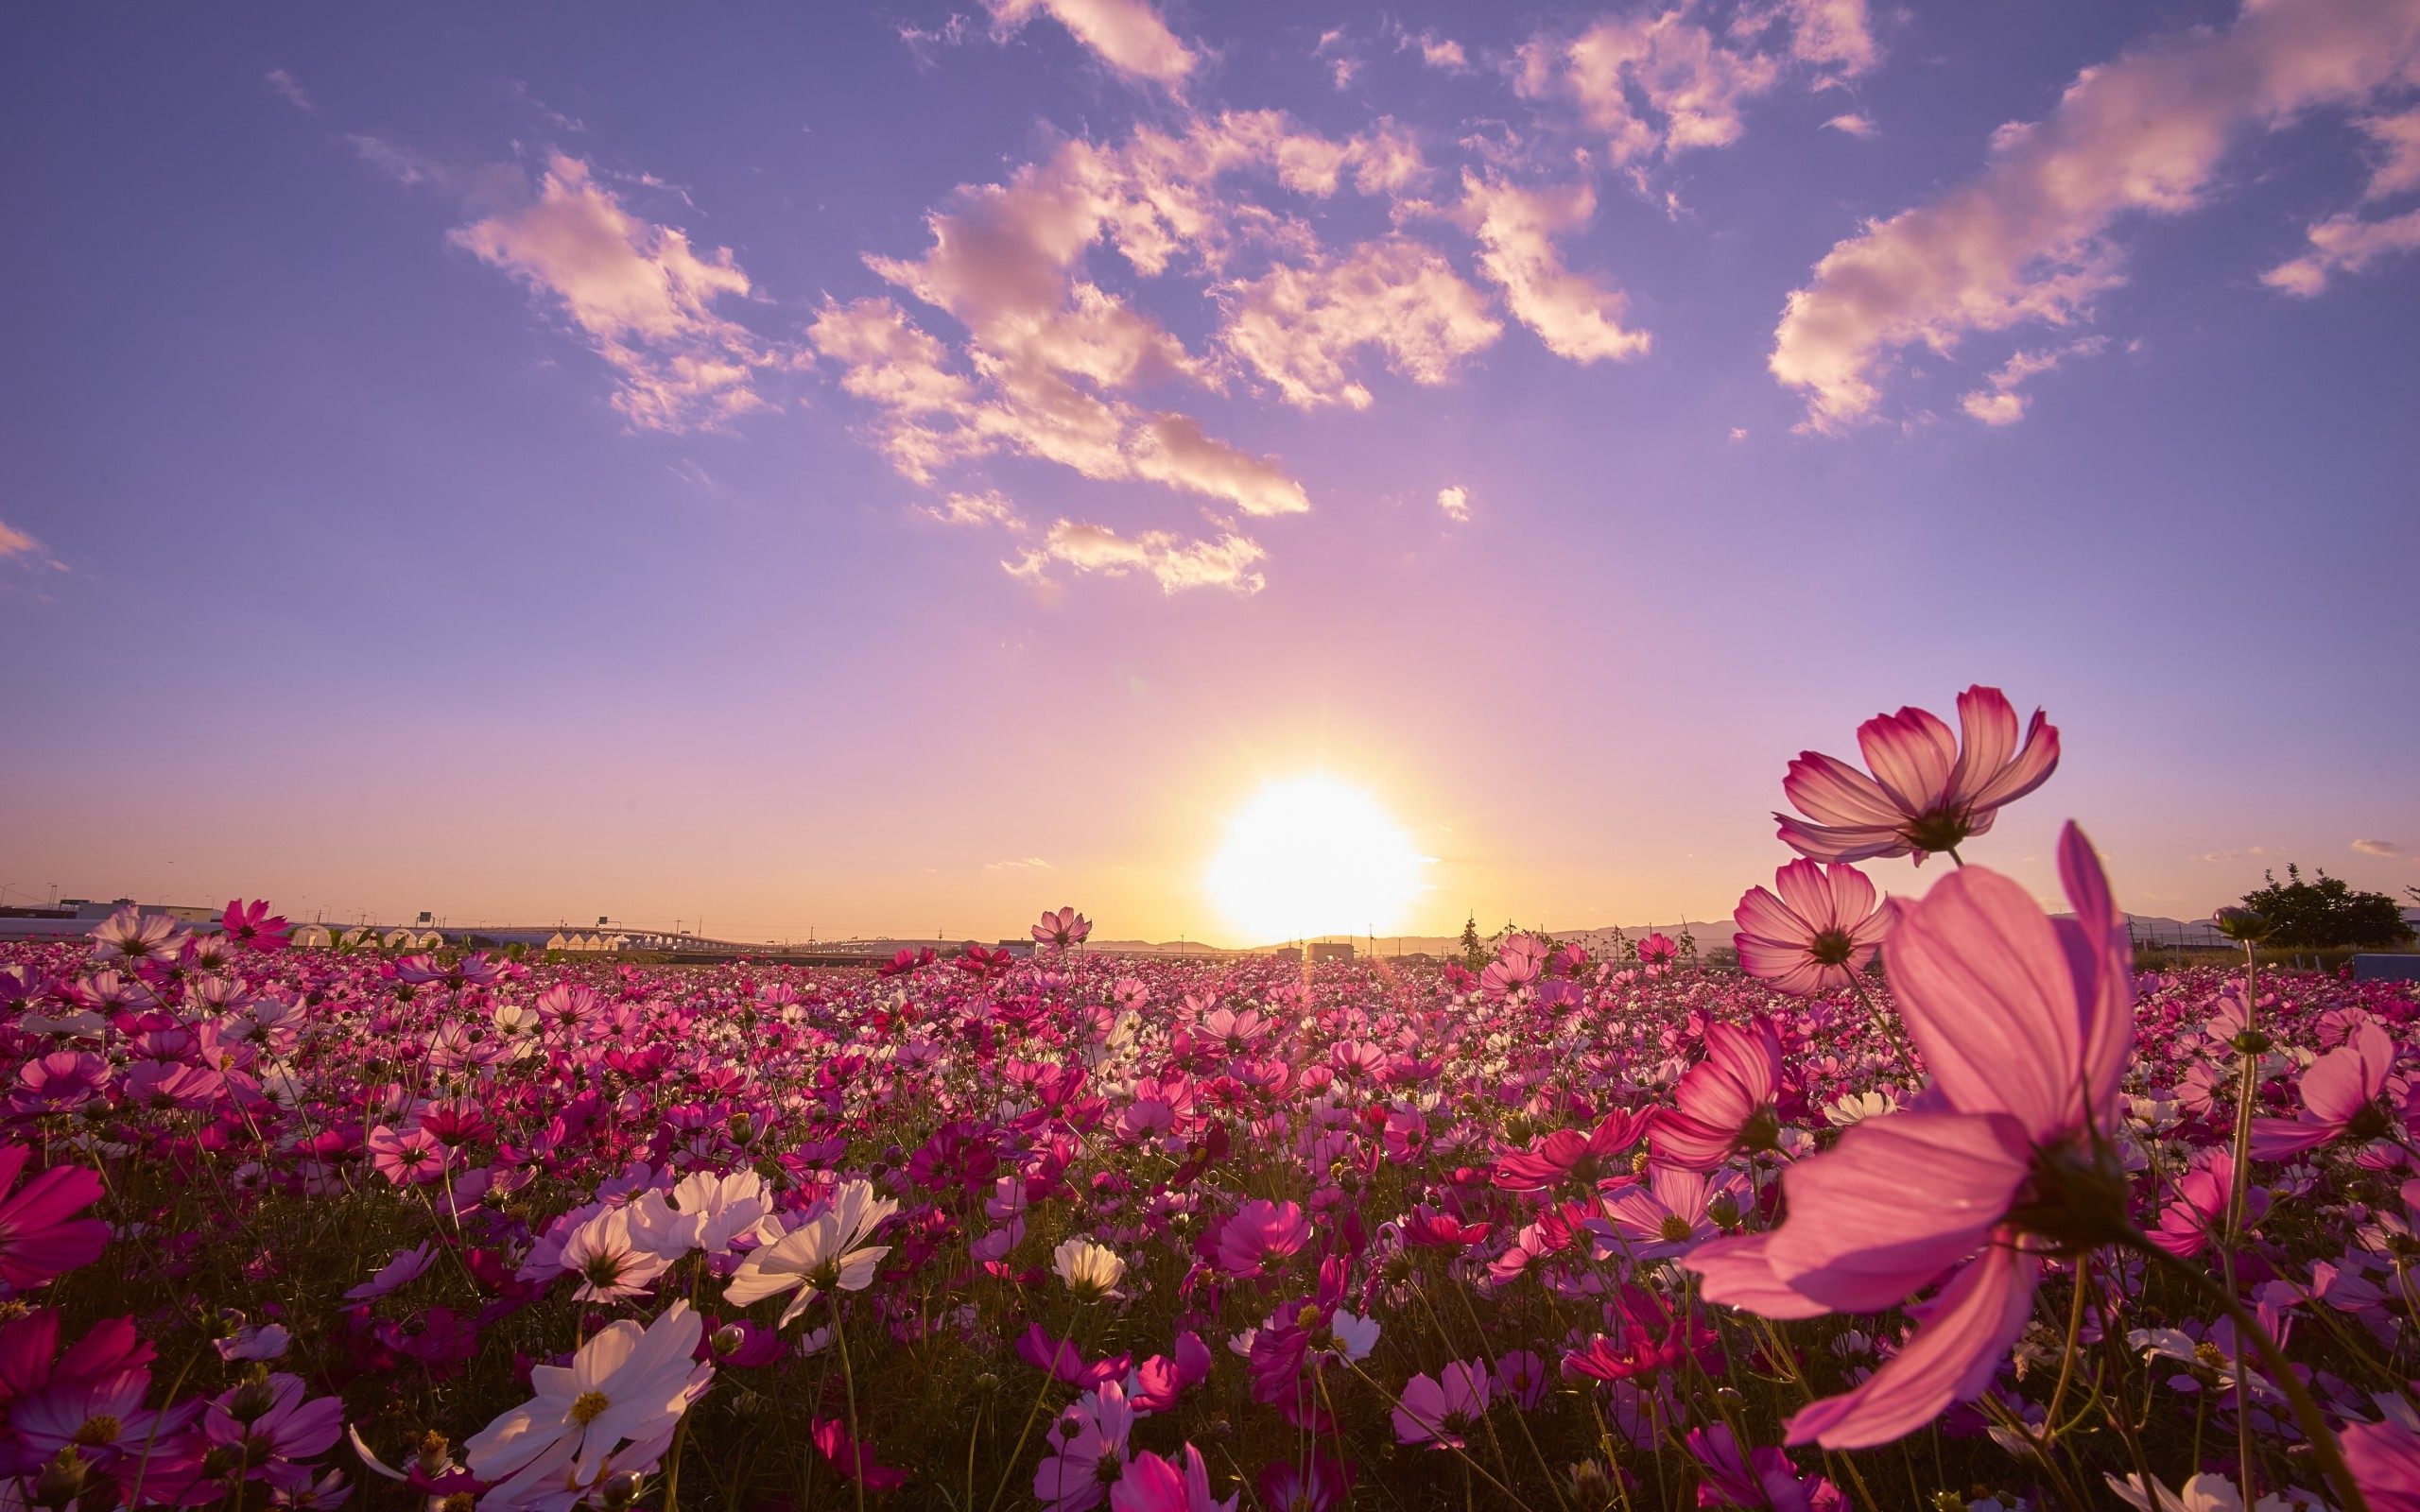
<point x="886" y="470"/>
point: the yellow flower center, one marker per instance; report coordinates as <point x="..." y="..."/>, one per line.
<point x="588" y="1405"/>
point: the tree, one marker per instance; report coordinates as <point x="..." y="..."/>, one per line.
<point x="1475" y="951"/>
<point x="2316" y="915"/>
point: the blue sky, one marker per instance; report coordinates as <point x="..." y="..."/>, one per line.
<point x="456" y="459"/>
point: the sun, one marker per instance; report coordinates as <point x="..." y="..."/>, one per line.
<point x="1312" y="855"/>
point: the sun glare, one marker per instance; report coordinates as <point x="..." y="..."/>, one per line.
<point x="1311" y="856"/>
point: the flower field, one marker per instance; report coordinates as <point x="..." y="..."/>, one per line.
<point x="1929" y="1205"/>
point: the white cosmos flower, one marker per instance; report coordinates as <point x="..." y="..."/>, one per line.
<point x="703" y="1211"/>
<point x="827" y="1251"/>
<point x="627" y="1385"/>
<point x="1089" y="1269"/>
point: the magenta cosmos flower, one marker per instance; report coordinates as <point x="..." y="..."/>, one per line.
<point x="2025" y="1023"/>
<point x="1926" y="793"/>
<point x="1726" y="1103"/>
<point x="40" y="1234"/>
<point x="1814" y="933"/>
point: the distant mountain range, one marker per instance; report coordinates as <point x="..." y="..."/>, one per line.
<point x="2149" y="929"/>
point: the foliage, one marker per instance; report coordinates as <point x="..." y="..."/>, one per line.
<point x="2325" y="912"/>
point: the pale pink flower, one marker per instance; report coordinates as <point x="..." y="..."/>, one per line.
<point x="1821" y="930"/>
<point x="129" y="936"/>
<point x="2025" y="1023"/>
<point x="625" y="1385"/>
<point x="1926" y="793"/>
<point x="1063" y="928"/>
<point x="1442" y="1410"/>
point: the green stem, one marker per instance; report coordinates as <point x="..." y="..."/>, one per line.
<point x="2324" y="1447"/>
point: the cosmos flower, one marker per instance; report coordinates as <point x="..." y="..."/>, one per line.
<point x="1929" y="792"/>
<point x="611" y="1262"/>
<point x="1260" y="1231"/>
<point x="626" y="1386"/>
<point x="1087" y="1451"/>
<point x="1063" y="928"/>
<point x="252" y="926"/>
<point x="1443" y="1409"/>
<point x="1724" y="1105"/>
<point x="1818" y="928"/>
<point x="1151" y="1484"/>
<point x="1090" y="1270"/>
<point x="824" y="1253"/>
<point x="2027" y="1024"/>
<point x="2344" y="1095"/>
<point x="40" y="1234"/>
<point x="138" y="939"/>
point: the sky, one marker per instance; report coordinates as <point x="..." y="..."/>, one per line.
<point x="893" y="468"/>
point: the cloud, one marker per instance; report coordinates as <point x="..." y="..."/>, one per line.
<point x="1174" y="563"/>
<point x="933" y="414"/>
<point x="1439" y="52"/>
<point x="21" y="548"/>
<point x="987" y="506"/>
<point x="2343" y="243"/>
<point x="1343" y="63"/>
<point x="1299" y="326"/>
<point x="1575" y="317"/>
<point x="1653" y="83"/>
<point x="1126" y="34"/>
<point x="2378" y="848"/>
<point x="1738" y="433"/>
<point x="1456" y="501"/>
<point x="1020" y="863"/>
<point x="1851" y="123"/>
<point x="283" y="82"/>
<point x="2028" y="239"/>
<point x="643" y="298"/>
<point x="1049" y="357"/>
<point x="1835" y="36"/>
<point x="1999" y="403"/>
<point x="2241" y="852"/>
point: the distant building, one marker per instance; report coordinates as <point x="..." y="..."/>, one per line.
<point x="1287" y="953"/>
<point x="1022" y="948"/>
<point x="1331" y="951"/>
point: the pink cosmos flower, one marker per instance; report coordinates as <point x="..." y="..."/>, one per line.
<point x="138" y="938"/>
<point x="2384" y="1458"/>
<point x="1442" y="1410"/>
<point x="407" y="1266"/>
<point x="253" y="926"/>
<point x="1926" y="793"/>
<point x="1063" y="928"/>
<point x="40" y="1234"/>
<point x="1762" y="1478"/>
<point x="1667" y="1217"/>
<point x="1726" y="1103"/>
<point x="852" y="1457"/>
<point x="1518" y="962"/>
<point x="270" y="1426"/>
<point x="2025" y="1023"/>
<point x="1151" y="1484"/>
<point x="2201" y="1206"/>
<point x="2342" y="1094"/>
<point x="1656" y="951"/>
<point x="1817" y="935"/>
<point x="1087" y="1451"/>
<point x="1261" y="1231"/>
<point x="1567" y="1155"/>
<point x="406" y="1157"/>
<point x="1322" y="1486"/>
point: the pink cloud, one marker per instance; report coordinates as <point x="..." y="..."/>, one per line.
<point x="1126" y="34"/>
<point x="1299" y="327"/>
<point x="16" y="544"/>
<point x="1174" y="563"/>
<point x="1574" y="316"/>
<point x="2028" y="238"/>
<point x="1999" y="402"/>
